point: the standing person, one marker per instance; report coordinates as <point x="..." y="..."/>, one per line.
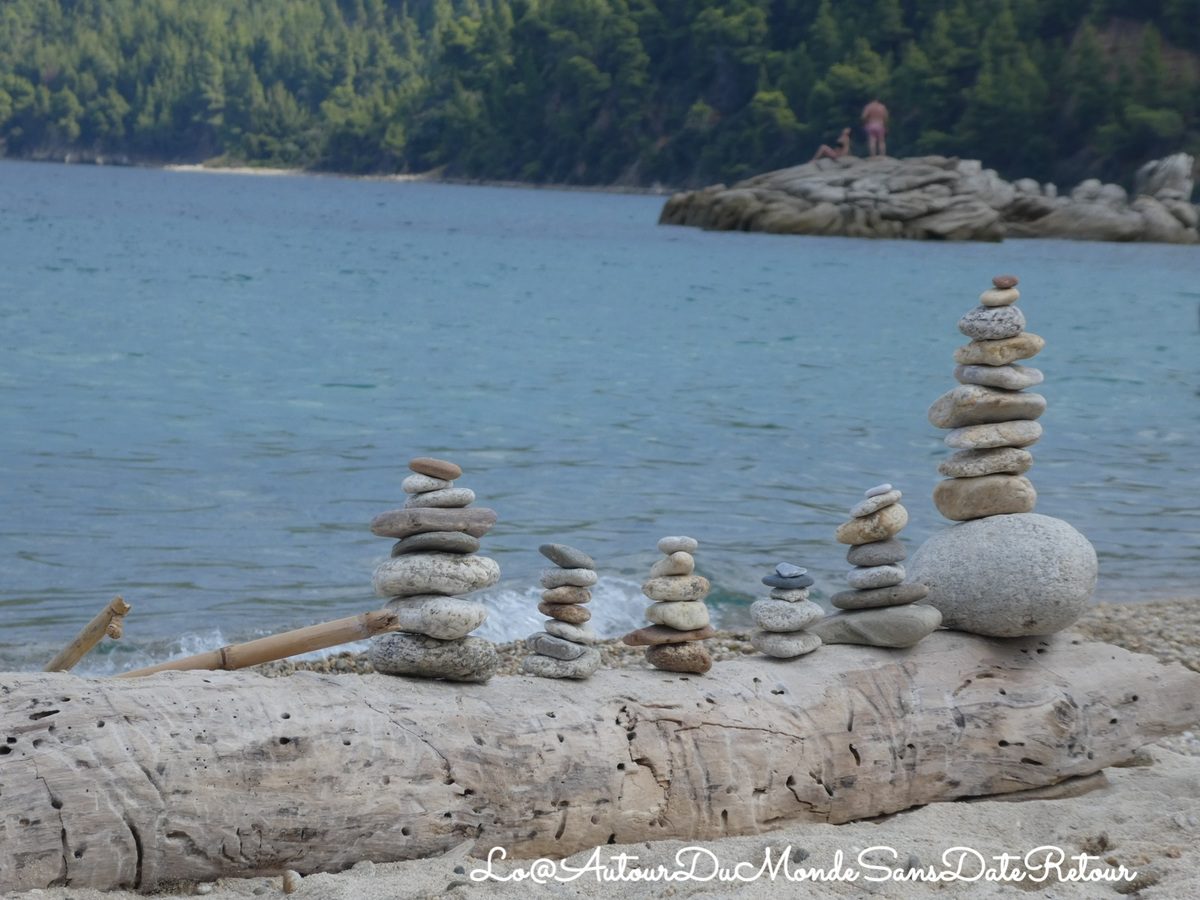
<point x="875" y="118"/>
<point x="842" y="148"/>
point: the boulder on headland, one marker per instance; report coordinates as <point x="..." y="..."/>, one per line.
<point x="944" y="198"/>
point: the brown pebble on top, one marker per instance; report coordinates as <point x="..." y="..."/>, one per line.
<point x="435" y="468"/>
<point x="1004" y="282"/>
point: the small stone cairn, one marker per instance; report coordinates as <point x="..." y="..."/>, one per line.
<point x="674" y="642"/>
<point x="785" y="615"/>
<point x="992" y="416"/>
<point x="564" y="648"/>
<point x="432" y="563"/>
<point x="880" y="610"/>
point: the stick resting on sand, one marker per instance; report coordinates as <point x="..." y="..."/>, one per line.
<point x="110" y="621"/>
<point x="280" y="646"/>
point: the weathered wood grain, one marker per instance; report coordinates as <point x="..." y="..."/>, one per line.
<point x="197" y="775"/>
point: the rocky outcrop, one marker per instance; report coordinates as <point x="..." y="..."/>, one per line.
<point x="944" y="198"/>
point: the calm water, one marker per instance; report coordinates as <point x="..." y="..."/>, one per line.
<point x="209" y="384"/>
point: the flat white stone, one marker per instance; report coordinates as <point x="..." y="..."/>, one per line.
<point x="874" y="504"/>
<point x="865" y="578"/>
<point x="878" y="489"/>
<point x="579" y="634"/>
<point x="676" y="543"/>
<point x="552" y="578"/>
<point x="787" y="570"/>
<point x="419" y="484"/>
<point x="449" y="498"/>
<point x="686" y="615"/>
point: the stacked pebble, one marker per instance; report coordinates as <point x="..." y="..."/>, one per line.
<point x="564" y="648"/>
<point x="784" y="617"/>
<point x="879" y="604"/>
<point x="992" y="416"/>
<point x="431" y="564"/>
<point x="673" y="642"/>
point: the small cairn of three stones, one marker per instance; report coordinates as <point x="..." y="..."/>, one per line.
<point x="674" y="642"/>
<point x="991" y="416"/>
<point x="563" y="649"/>
<point x="783" y="618"/>
<point x="432" y="563"/>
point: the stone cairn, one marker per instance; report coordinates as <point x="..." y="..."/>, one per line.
<point x="785" y="615"/>
<point x="880" y="610"/>
<point x="673" y="642"/>
<point x="432" y="563"/>
<point x="992" y="416"/>
<point x="563" y="649"/>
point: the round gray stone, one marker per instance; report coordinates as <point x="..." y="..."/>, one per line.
<point x="992" y="323"/>
<point x="566" y="556"/>
<point x="682" y="616"/>
<point x="675" y="543"/>
<point x="784" y="646"/>
<point x="780" y="615"/>
<point x="892" y="626"/>
<point x="1020" y="433"/>
<point x="582" y="666"/>
<point x="864" y="578"/>
<point x="896" y="595"/>
<point x="874" y="503"/>
<point x="977" y="463"/>
<point x="678" y="563"/>
<point x="877" y="490"/>
<point x="578" y="634"/>
<point x="676" y="588"/>
<point x="419" y="484"/>
<point x="434" y="573"/>
<point x="1012" y="377"/>
<point x="466" y="659"/>
<point x="553" y="578"/>
<point x="443" y="541"/>
<point x="450" y="498"/>
<point x="972" y="404"/>
<point x="550" y="645"/>
<point x="444" y="618"/>
<point x="878" y="553"/>
<point x="1006" y="576"/>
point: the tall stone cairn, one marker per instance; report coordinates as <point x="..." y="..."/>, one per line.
<point x="674" y="642"/>
<point x="783" y="618"/>
<point x="991" y="415"/>
<point x="563" y="648"/>
<point x="433" y="563"/>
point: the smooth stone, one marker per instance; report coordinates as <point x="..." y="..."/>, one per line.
<point x="677" y="588"/>
<point x="1004" y="282"/>
<point x="434" y="573"/>
<point x="893" y="626"/>
<point x="895" y="595"/>
<point x="787" y="570"/>
<point x="444" y="618"/>
<point x="400" y="523"/>
<point x="1005" y="576"/>
<point x="576" y="634"/>
<point x="998" y="460"/>
<point x="874" y="504"/>
<point x="676" y="543"/>
<point x="865" y="578"/>
<point x="553" y="578"/>
<point x="565" y="612"/>
<point x="653" y="635"/>
<point x="784" y="646"/>
<point x="686" y="616"/>
<point x="466" y="659"/>
<point x="992" y="323"/>
<point x="1013" y="377"/>
<point x="1020" y="433"/>
<point x="879" y="489"/>
<point x="799" y="595"/>
<point x="963" y="499"/>
<point x="549" y="645"/>
<point x="450" y="498"/>
<point x="691" y="658"/>
<point x="972" y="404"/>
<point x="582" y="666"/>
<point x="567" y="594"/>
<point x="795" y="583"/>
<point x="420" y="484"/>
<point x="678" y="563"/>
<point x="1000" y="353"/>
<point x="435" y="468"/>
<point x="442" y="541"/>
<point x="780" y="615"/>
<point x="566" y="556"/>
<point x="999" y="297"/>
<point x="878" y="526"/>
<point x="877" y="553"/>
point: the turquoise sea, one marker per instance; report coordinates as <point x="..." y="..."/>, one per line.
<point x="210" y="383"/>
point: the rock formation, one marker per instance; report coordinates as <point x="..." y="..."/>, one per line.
<point x="680" y="619"/>
<point x="432" y="563"/>
<point x="563" y="649"/>
<point x="943" y="198"/>
<point x="784" y="617"/>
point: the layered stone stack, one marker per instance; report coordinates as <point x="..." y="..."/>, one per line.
<point x="563" y="649"/>
<point x="674" y="642"/>
<point x="784" y="617"/>
<point x="992" y="416"/>
<point x="880" y="610"/>
<point x="432" y="564"/>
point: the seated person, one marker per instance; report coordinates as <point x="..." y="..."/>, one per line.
<point x="842" y="148"/>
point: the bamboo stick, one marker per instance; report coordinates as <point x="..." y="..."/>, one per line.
<point x="281" y="646"/>
<point x="110" y="621"/>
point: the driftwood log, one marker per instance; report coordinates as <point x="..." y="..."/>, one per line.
<point x="197" y="775"/>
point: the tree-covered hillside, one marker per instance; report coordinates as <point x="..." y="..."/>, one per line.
<point x="599" y="91"/>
